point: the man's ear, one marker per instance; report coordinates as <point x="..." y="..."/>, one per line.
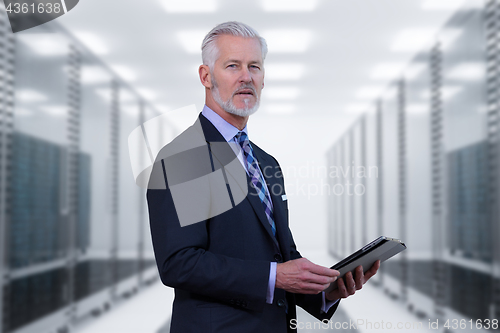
<point x="205" y="78"/>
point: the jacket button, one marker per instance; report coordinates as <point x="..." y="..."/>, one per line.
<point x="277" y="257"/>
<point x="281" y="303"/>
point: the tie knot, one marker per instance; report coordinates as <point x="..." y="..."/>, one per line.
<point x="242" y="138"/>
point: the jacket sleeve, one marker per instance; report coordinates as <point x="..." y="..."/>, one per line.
<point x="184" y="261"/>
<point x="311" y="303"/>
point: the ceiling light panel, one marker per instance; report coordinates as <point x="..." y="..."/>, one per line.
<point x="281" y="108"/>
<point x="450" y="5"/>
<point x="386" y="71"/>
<point x="447" y="92"/>
<point x="369" y="92"/>
<point x="163" y="108"/>
<point x="412" y="40"/>
<point x="124" y="72"/>
<point x="189" y="6"/>
<point x="94" y="75"/>
<point x="390" y="93"/>
<point x="23" y="112"/>
<point x="93" y="42"/>
<point x="191" y="40"/>
<point x="30" y="96"/>
<point x="417" y="108"/>
<point x="284" y="71"/>
<point x="130" y="110"/>
<point x="280" y="93"/>
<point x="414" y="70"/>
<point x="55" y="110"/>
<point x="45" y="44"/>
<point x="359" y="108"/>
<point x="289" y="5"/>
<point x="288" y="40"/>
<point x="471" y="71"/>
<point x="148" y="94"/>
<point x="128" y="97"/>
<point x="450" y="91"/>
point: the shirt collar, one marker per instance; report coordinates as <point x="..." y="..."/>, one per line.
<point x="227" y="130"/>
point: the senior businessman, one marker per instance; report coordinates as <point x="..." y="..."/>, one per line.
<point x="221" y="240"/>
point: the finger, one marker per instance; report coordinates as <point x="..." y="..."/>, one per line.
<point x="317" y="269"/>
<point x="342" y="289"/>
<point x="321" y="270"/>
<point x="312" y="288"/>
<point x="359" y="277"/>
<point x="351" y="284"/>
<point x="318" y="279"/>
<point x="372" y="271"/>
<point x="305" y="266"/>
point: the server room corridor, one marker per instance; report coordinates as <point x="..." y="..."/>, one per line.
<point x="383" y="115"/>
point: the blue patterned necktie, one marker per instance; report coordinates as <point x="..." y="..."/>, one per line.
<point x="257" y="178"/>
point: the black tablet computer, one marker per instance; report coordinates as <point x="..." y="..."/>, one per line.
<point x="381" y="249"/>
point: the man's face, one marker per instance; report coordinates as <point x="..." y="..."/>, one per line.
<point x="238" y="74"/>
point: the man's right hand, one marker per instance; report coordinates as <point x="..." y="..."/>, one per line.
<point x="303" y="277"/>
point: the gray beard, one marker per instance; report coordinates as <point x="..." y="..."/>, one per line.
<point x="228" y="105"/>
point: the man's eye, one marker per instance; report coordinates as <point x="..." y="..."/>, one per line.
<point x="232" y="66"/>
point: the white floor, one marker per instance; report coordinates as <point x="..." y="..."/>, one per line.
<point x="149" y="310"/>
<point x="146" y="312"/>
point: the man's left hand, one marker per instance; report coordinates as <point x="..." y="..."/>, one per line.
<point x="348" y="285"/>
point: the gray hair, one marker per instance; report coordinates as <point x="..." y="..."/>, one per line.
<point x="209" y="49"/>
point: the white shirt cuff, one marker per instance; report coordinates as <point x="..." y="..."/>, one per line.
<point x="326" y="305"/>
<point x="271" y="283"/>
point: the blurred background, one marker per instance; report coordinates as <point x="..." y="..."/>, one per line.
<point x="392" y="106"/>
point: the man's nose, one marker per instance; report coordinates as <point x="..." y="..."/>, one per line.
<point x="245" y="75"/>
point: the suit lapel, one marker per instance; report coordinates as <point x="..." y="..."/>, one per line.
<point x="254" y="200"/>
<point x="211" y="134"/>
<point x="275" y="190"/>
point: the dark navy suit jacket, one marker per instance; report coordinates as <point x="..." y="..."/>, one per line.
<point x="220" y="267"/>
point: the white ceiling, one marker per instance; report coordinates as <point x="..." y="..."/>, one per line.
<point x="344" y="48"/>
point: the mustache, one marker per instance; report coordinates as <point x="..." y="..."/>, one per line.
<point x="246" y="86"/>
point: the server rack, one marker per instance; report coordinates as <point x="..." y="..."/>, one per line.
<point x="6" y="129"/>
<point x="492" y="18"/>
<point x="92" y="287"/>
<point x="402" y="186"/>
<point x="381" y="172"/>
<point x="390" y="182"/>
<point x="466" y="223"/>
<point x="74" y="182"/>
<point x="418" y="190"/>
<point x="331" y="201"/>
<point x="358" y="189"/>
<point x="337" y="210"/>
<point x="439" y="268"/>
<point x="349" y="187"/>
<point x="371" y="198"/>
<point x="363" y="180"/>
<point x="345" y="208"/>
<point x="53" y="271"/>
<point x="440" y="141"/>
